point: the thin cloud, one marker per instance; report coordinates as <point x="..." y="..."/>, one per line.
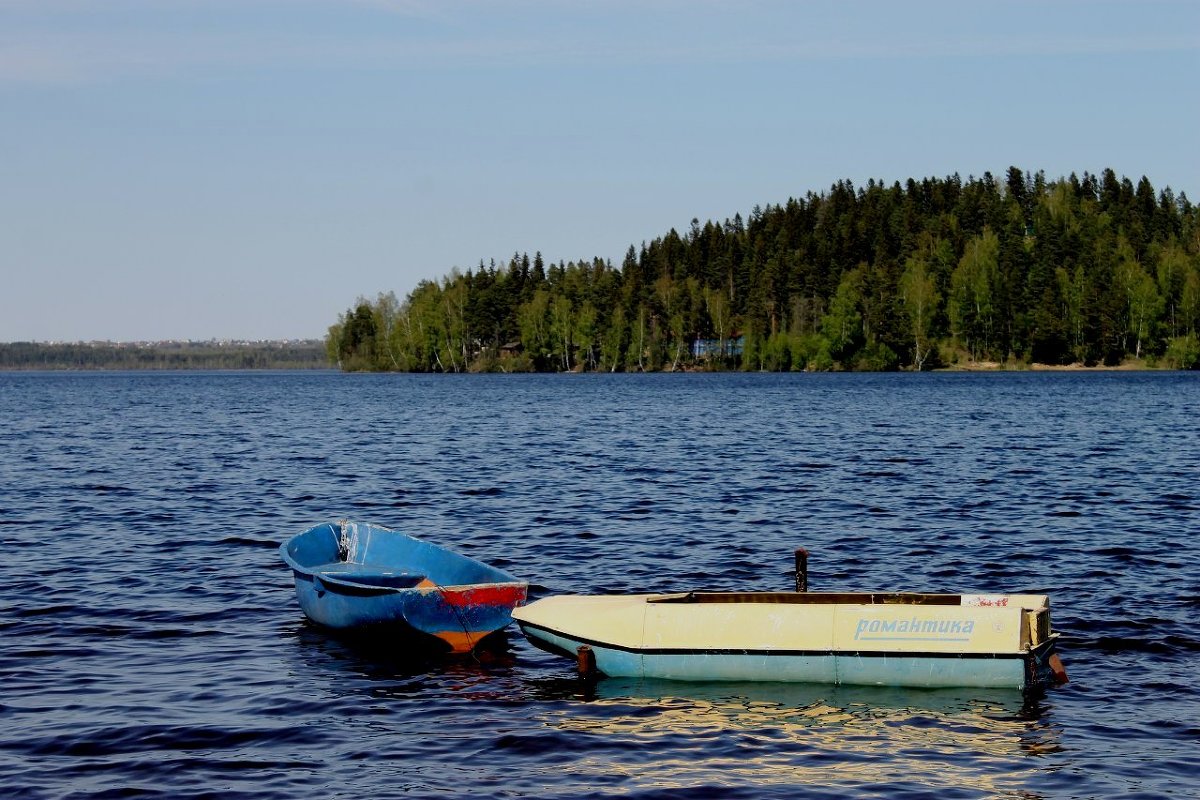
<point x="966" y="47"/>
<point x="88" y="44"/>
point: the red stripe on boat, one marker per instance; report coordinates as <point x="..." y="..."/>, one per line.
<point x="485" y="596"/>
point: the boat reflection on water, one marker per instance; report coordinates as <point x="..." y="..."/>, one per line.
<point x="645" y="735"/>
<point x="384" y="666"/>
<point x="781" y="734"/>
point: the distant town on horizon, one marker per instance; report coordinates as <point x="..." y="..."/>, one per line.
<point x="165" y="354"/>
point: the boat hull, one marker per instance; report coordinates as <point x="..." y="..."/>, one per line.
<point x="779" y="637"/>
<point x="367" y="579"/>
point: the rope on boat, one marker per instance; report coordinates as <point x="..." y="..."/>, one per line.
<point x="462" y="623"/>
<point x="343" y="543"/>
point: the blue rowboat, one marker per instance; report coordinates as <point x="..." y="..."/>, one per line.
<point x="353" y="575"/>
<point x="893" y="639"/>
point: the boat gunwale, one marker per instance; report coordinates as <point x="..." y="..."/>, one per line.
<point x="502" y="577"/>
<point x="367" y="589"/>
<point x="817" y="598"/>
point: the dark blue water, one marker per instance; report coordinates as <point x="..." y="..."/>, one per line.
<point x="150" y="641"/>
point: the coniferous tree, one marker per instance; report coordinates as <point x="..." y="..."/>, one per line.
<point x="1092" y="268"/>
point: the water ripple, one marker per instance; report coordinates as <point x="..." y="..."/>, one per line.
<point x="152" y="643"/>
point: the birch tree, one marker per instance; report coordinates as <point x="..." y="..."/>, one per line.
<point x="918" y="291"/>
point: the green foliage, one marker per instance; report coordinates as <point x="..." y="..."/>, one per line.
<point x="1183" y="352"/>
<point x="842" y="326"/>
<point x="876" y="357"/>
<point x="919" y="275"/>
<point x="356" y="344"/>
<point x="973" y="295"/>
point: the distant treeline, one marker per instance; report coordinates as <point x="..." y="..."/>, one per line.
<point x="164" y="355"/>
<point x="936" y="272"/>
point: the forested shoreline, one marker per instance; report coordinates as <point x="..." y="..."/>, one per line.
<point x="308" y="354"/>
<point x="940" y="272"/>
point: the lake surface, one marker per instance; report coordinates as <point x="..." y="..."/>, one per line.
<point x="150" y="640"/>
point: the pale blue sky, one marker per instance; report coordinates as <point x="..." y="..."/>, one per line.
<point x="247" y="168"/>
